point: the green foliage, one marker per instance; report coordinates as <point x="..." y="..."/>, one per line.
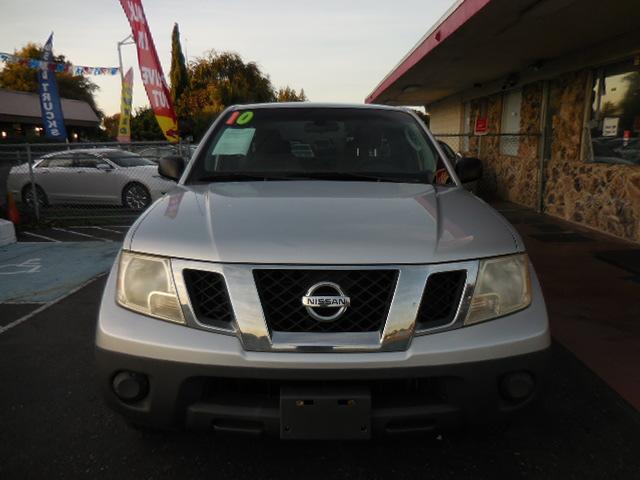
<point x="219" y="80"/>
<point x="178" y="73"/>
<point x="228" y="80"/>
<point x="111" y="124"/>
<point x="144" y="125"/>
<point x="22" y="78"/>
<point x="288" y="94"/>
<point x="630" y="104"/>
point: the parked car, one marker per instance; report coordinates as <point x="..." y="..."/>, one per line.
<point x="155" y="153"/>
<point x="616" y="150"/>
<point x="106" y="176"/>
<point x="309" y="278"/>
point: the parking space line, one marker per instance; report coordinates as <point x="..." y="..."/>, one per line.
<point x="41" y="236"/>
<point x="25" y="302"/>
<point x="91" y="226"/>
<point x="38" y="310"/>
<point x="24" y="242"/>
<point x="81" y="234"/>
<point x="108" y="230"/>
<point x="97" y="228"/>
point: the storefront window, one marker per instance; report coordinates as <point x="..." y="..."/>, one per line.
<point x="615" y="117"/>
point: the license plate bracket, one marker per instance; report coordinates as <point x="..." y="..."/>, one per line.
<point x="325" y="412"/>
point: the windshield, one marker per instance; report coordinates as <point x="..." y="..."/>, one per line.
<point x="317" y="143"/>
<point x="126" y="159"/>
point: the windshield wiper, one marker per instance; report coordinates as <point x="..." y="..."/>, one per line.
<point x="370" y="177"/>
<point x="244" y="177"/>
<point x="330" y="176"/>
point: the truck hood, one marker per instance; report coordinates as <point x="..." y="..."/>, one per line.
<point x="321" y="222"/>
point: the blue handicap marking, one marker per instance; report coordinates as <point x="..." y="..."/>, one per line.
<point x="42" y="272"/>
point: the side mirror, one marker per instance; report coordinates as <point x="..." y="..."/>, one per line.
<point x="469" y="169"/>
<point x="105" y="167"/>
<point x="171" y="167"/>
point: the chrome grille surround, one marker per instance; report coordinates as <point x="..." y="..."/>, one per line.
<point x="250" y="326"/>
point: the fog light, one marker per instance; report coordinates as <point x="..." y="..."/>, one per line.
<point x="517" y="386"/>
<point x="130" y="386"/>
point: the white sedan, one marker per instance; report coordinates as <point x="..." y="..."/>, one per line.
<point x="105" y="176"/>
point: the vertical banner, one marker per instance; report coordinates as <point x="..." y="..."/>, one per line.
<point x="124" y="126"/>
<point x="151" y="70"/>
<point x="50" y="105"/>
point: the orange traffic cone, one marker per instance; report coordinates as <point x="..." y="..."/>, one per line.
<point x="12" y="211"/>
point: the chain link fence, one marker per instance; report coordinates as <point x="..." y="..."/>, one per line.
<point x="85" y="183"/>
<point x="504" y="158"/>
<point x="490" y="145"/>
<point x="98" y="183"/>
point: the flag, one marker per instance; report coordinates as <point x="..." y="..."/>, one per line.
<point x="50" y="105"/>
<point x="124" y="126"/>
<point x="152" y="76"/>
<point x="59" y="67"/>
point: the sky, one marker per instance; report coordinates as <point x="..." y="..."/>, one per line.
<point x="337" y="50"/>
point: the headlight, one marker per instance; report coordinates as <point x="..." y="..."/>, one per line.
<point x="503" y="286"/>
<point x="145" y="284"/>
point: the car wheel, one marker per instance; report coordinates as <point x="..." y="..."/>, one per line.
<point x="41" y="197"/>
<point x="136" y="197"/>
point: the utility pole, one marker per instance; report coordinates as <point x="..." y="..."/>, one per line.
<point x="127" y="41"/>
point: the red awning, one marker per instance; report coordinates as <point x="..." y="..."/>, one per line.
<point x="479" y="41"/>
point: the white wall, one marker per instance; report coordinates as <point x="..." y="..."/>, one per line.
<point x="445" y="117"/>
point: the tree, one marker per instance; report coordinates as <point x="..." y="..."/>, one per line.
<point x="219" y="80"/>
<point x="229" y="80"/>
<point x="15" y="76"/>
<point x="216" y="81"/>
<point x="630" y="104"/>
<point x="288" y="94"/>
<point x="144" y="125"/>
<point x="178" y="73"/>
<point x="111" y="124"/>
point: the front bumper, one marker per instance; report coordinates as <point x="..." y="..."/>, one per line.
<point x="206" y="380"/>
<point x="246" y="400"/>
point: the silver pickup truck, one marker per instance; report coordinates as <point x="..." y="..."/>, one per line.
<point x="320" y="272"/>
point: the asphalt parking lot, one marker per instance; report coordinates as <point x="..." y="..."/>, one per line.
<point x="54" y="423"/>
<point x="74" y="233"/>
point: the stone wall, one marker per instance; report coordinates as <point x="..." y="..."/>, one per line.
<point x="507" y="177"/>
<point x="601" y="196"/>
<point x="566" y="113"/>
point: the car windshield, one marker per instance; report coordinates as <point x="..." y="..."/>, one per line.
<point x="317" y="143"/>
<point x="126" y="159"/>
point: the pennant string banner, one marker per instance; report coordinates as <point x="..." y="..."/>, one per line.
<point x="57" y="66"/>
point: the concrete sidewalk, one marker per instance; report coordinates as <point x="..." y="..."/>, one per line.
<point x="594" y="305"/>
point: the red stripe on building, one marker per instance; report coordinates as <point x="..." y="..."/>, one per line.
<point x="466" y="10"/>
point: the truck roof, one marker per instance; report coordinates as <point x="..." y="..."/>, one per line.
<point x="257" y="106"/>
